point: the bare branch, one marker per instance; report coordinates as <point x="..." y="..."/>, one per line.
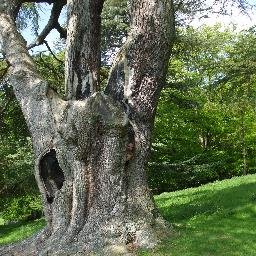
<point x="61" y="30"/>
<point x="52" y="23"/>
<point x="52" y="53"/>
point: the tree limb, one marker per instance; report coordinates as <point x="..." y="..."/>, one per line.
<point x="52" y="53"/>
<point x="23" y="74"/>
<point x="138" y="73"/>
<point x="61" y="30"/>
<point x="13" y="44"/>
<point x="52" y="23"/>
<point x="83" y="48"/>
<point x="29" y="87"/>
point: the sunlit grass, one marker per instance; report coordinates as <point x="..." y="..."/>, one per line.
<point x="212" y="220"/>
<point x="18" y="231"/>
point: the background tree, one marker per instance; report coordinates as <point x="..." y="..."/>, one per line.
<point x="209" y="105"/>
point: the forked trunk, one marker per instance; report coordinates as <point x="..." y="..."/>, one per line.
<point x="92" y="149"/>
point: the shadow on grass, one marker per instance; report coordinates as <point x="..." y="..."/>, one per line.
<point x="6" y="229"/>
<point x="214" y="220"/>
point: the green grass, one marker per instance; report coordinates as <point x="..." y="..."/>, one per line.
<point x="18" y="231"/>
<point x="213" y="220"/>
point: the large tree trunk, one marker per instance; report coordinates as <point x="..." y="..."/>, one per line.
<point x="91" y="150"/>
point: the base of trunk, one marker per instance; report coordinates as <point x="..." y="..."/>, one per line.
<point x="93" y="182"/>
<point x="109" y="238"/>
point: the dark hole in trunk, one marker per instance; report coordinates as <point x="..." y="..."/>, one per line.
<point x="51" y="174"/>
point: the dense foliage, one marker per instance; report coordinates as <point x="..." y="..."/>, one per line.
<point x="205" y="126"/>
<point x="17" y="182"/>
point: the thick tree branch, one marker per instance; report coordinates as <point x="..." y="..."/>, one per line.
<point x="52" y="24"/>
<point x="12" y="43"/>
<point x="29" y="88"/>
<point x="83" y="48"/>
<point x="61" y="30"/>
<point x="138" y="73"/>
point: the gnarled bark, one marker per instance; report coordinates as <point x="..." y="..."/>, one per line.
<point x="83" y="48"/>
<point x="91" y="152"/>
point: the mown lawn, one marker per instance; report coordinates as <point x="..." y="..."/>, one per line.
<point x="212" y="220"/>
<point x="18" y="231"/>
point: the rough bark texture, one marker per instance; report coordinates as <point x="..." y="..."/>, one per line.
<point x="83" y="48"/>
<point x="91" y="150"/>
